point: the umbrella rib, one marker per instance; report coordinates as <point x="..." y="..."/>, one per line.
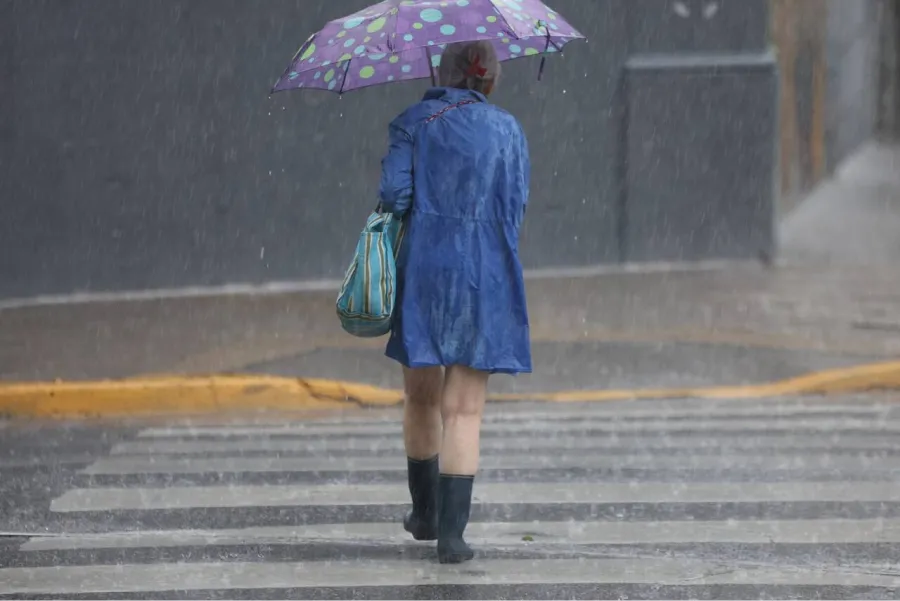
<point x="509" y="26"/>
<point x="344" y="80"/>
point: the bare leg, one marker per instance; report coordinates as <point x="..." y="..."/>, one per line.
<point x="422" y="412"/>
<point x="422" y="439"/>
<point x="462" y="408"/>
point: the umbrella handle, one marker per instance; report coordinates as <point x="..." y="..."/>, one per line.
<point x="430" y="66"/>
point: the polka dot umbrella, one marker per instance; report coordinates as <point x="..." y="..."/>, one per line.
<point x="398" y="40"/>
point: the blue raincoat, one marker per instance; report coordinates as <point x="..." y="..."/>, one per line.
<point x="460" y="293"/>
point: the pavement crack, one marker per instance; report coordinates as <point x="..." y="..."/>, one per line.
<point x="313" y="393"/>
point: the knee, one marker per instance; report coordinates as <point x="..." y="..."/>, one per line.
<point x="462" y="406"/>
<point x="464" y="394"/>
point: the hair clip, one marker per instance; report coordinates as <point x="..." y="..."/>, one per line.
<point x="476" y="68"/>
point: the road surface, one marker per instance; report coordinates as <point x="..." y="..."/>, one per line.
<point x="785" y="498"/>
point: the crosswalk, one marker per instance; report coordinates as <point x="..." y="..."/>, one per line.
<point x="654" y="500"/>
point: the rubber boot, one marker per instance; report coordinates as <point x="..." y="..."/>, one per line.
<point x="422" y="521"/>
<point x="455" y="504"/>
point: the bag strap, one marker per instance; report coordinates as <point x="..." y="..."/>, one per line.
<point x="449" y="107"/>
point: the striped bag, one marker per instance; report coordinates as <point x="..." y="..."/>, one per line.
<point x="365" y="303"/>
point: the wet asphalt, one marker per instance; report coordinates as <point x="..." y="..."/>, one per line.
<point x="650" y="467"/>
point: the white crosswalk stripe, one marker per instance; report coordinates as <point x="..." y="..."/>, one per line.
<point x="141" y="499"/>
<point x="644" y="500"/>
<point x="558" y="413"/>
<point x="502" y="533"/>
<point x="551" y="427"/>
<point x="194" y="465"/>
<point x="640" y="441"/>
<point x="241" y="575"/>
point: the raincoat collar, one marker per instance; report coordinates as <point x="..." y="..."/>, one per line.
<point x="454" y="94"/>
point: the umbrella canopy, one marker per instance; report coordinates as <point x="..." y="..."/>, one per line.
<point x="398" y="40"/>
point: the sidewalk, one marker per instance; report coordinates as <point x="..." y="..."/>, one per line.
<point x="853" y="220"/>
<point x="833" y="301"/>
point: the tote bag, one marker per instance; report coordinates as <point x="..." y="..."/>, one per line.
<point x="365" y="304"/>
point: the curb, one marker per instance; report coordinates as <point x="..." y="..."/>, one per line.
<point x="184" y="396"/>
<point x="214" y="394"/>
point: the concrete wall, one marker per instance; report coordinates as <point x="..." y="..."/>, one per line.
<point x="139" y="149"/>
<point x="853" y="87"/>
<point x="700" y="98"/>
<point x="832" y="57"/>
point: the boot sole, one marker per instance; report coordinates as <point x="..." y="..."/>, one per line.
<point x="455" y="553"/>
<point x="422" y="537"/>
<point x="456" y="558"/>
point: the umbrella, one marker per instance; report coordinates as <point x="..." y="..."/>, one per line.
<point x="398" y="40"/>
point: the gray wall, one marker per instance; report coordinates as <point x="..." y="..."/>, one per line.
<point x="139" y="149"/>
<point x="699" y="145"/>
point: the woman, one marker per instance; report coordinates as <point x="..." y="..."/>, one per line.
<point x="461" y="295"/>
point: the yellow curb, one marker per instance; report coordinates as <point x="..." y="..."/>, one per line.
<point x="156" y="396"/>
<point x="184" y="396"/>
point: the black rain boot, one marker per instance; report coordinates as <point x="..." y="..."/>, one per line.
<point x="455" y="504"/>
<point x="422" y="521"/>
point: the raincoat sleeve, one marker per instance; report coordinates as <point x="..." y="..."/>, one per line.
<point x="396" y="190"/>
